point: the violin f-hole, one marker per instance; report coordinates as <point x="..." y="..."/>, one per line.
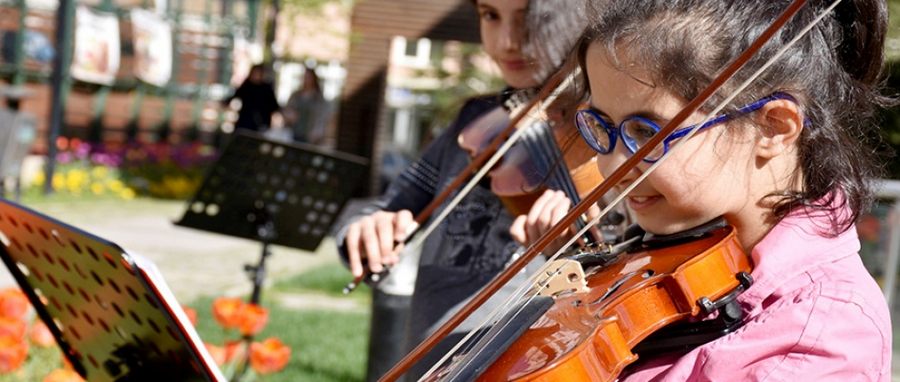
<point x="645" y="274"/>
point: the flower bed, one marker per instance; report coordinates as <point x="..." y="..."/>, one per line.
<point x="127" y="170"/>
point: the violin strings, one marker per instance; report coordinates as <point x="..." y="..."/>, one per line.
<point x="519" y="296"/>
<point x="803" y="32"/>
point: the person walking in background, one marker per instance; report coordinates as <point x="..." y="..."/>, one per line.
<point x="258" y="101"/>
<point x="306" y="113"/>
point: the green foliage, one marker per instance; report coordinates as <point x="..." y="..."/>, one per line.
<point x="893" y="42"/>
<point x="471" y="81"/>
<point x="308" y="6"/>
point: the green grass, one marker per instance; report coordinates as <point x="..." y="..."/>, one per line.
<point x="329" y="279"/>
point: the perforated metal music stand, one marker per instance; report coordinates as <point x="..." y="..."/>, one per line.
<point x="299" y="188"/>
<point x="274" y="192"/>
<point x="109" y="310"/>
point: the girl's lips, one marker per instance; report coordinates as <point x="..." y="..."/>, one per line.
<point x="637" y="203"/>
<point x="515" y="64"/>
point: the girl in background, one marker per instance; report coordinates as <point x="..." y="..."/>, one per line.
<point x="473" y="244"/>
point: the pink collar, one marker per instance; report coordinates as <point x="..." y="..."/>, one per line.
<point x="793" y="247"/>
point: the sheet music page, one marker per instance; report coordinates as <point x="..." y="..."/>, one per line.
<point x="156" y="280"/>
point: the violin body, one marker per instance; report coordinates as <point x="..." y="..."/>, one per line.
<point x="590" y="335"/>
<point x="550" y="155"/>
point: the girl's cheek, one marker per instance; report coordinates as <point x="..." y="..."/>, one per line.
<point x="604" y="164"/>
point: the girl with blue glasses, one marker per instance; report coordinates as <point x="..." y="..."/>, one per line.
<point x="788" y="167"/>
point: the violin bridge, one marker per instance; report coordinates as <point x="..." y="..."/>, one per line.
<point x="561" y="277"/>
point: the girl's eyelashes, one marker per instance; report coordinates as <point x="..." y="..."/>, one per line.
<point x="488" y="14"/>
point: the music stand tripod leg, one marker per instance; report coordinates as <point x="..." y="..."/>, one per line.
<point x="257" y="274"/>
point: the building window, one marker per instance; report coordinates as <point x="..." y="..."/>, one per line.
<point x="411" y="53"/>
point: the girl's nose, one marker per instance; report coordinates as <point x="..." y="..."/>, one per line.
<point x="611" y="162"/>
<point x="512" y="36"/>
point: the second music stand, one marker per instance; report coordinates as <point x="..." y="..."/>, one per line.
<point x="274" y="192"/>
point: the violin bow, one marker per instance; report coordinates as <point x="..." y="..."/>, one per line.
<point x="582" y="207"/>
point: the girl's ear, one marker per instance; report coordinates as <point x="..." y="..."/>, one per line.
<point x="780" y="122"/>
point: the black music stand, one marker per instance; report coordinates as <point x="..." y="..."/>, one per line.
<point x="273" y="192"/>
<point x="110" y="311"/>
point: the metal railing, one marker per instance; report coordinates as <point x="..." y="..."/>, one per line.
<point x="890" y="189"/>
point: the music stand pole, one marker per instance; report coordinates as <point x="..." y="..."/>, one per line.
<point x="257" y="273"/>
<point x="266" y="233"/>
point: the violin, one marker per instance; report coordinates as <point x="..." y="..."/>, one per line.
<point x="629" y="328"/>
<point x="502" y="132"/>
<point x="550" y="155"/>
<point x="589" y="325"/>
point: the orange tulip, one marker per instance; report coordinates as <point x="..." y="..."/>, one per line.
<point x="13" y="303"/>
<point x="13" y="328"/>
<point x="269" y="356"/>
<point x="225" y="311"/>
<point x="252" y="319"/>
<point x="191" y="314"/>
<point x="217" y="352"/>
<point x="12" y="353"/>
<point x="63" y="375"/>
<point x="40" y="335"/>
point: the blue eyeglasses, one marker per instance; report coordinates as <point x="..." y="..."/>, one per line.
<point x="636" y="131"/>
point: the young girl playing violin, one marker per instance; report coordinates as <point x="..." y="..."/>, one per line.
<point x="473" y="244"/>
<point x="785" y="164"/>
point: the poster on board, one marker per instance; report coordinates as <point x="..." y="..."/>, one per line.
<point x="152" y="47"/>
<point x="96" y="55"/>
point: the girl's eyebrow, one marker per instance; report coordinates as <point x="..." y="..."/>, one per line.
<point x="651" y="115"/>
<point x="485" y="7"/>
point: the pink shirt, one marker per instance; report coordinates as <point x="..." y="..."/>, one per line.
<point x="813" y="314"/>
